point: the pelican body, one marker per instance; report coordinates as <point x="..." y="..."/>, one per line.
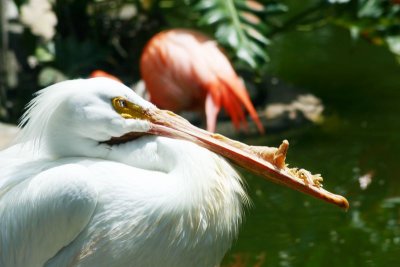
<point x="101" y="177"/>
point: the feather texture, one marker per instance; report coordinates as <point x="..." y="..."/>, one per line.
<point x="153" y="201"/>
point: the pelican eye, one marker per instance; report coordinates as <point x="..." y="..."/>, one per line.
<point x="127" y="109"/>
<point x="121" y="103"/>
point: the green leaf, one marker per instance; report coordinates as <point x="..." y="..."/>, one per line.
<point x="254" y="6"/>
<point x="260" y="52"/>
<point x="227" y="34"/>
<point x="239" y="26"/>
<point x="256" y="35"/>
<point x="275" y="8"/>
<point x="370" y="8"/>
<point x="206" y="4"/>
<point x="214" y="15"/>
<point x="245" y="55"/>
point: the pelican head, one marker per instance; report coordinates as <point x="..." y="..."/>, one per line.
<point x="76" y="117"/>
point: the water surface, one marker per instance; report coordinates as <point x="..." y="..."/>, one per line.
<point x="360" y="87"/>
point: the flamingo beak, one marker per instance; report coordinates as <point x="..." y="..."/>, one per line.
<point x="266" y="162"/>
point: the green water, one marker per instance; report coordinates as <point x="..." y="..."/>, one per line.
<point x="360" y="87"/>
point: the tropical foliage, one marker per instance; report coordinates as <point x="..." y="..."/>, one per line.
<point x="45" y="41"/>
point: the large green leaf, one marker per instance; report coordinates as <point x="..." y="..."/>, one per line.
<point x="240" y="25"/>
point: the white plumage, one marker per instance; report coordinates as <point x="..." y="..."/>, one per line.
<point x="66" y="200"/>
<point x="101" y="177"/>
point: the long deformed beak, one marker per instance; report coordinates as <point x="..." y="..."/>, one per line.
<point x="267" y="162"/>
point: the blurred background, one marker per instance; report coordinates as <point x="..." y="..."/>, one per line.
<point x="323" y="74"/>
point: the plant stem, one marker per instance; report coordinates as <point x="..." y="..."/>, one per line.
<point x="235" y="20"/>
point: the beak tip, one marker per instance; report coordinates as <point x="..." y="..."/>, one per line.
<point x="344" y="204"/>
<point x="339" y="201"/>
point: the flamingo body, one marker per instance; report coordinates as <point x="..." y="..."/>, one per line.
<point x="185" y="70"/>
<point x="101" y="73"/>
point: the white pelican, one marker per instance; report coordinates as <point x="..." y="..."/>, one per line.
<point x="101" y="177"/>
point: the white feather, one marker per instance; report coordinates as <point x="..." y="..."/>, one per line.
<point x="153" y="201"/>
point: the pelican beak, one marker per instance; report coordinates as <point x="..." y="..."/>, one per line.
<point x="267" y="162"/>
